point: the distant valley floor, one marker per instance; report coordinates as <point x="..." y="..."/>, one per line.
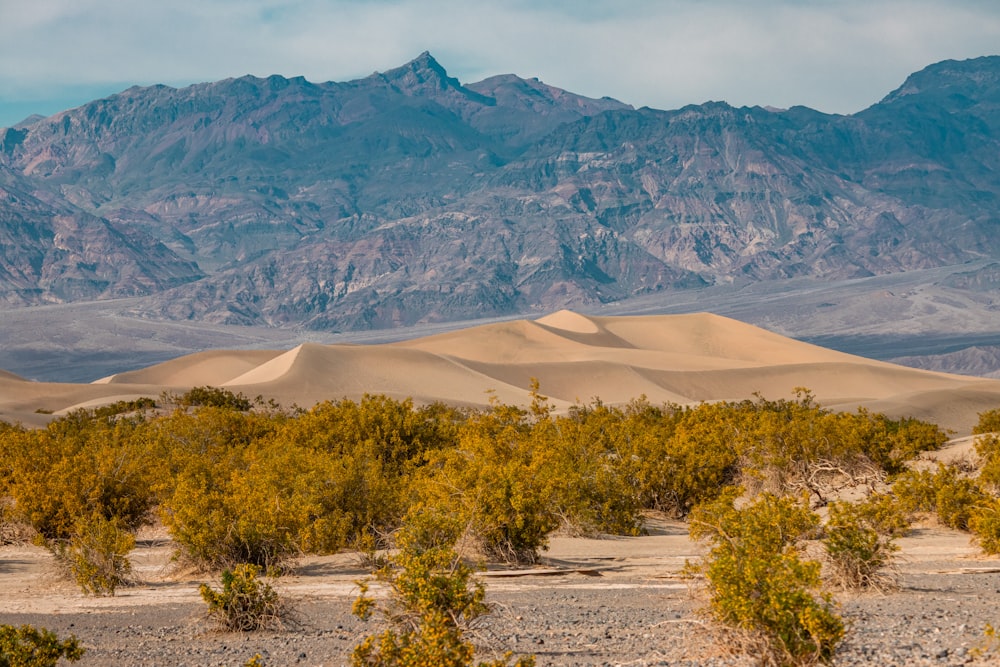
<point x="914" y="319"/>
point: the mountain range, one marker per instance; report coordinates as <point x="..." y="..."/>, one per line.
<point x="408" y="197"/>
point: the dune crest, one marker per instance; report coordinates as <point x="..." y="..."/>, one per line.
<point x="270" y="370"/>
<point x="6" y="375"/>
<point x="213" y="367"/>
<point x="570" y="321"/>
<point x="575" y="358"/>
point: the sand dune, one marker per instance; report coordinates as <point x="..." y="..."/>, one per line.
<point x="669" y="358"/>
<point x="213" y="367"/>
<point x="311" y="373"/>
<point x="5" y="375"/>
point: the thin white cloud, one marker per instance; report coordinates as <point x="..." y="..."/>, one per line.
<point x="836" y="56"/>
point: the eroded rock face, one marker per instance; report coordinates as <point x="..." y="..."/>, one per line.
<point x="408" y="197"/>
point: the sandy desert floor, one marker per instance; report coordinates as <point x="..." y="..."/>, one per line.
<point x="616" y="601"/>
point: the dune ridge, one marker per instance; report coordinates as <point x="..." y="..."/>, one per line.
<point x="576" y="358"/>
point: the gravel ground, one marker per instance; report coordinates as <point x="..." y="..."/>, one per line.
<point x="615" y="602"/>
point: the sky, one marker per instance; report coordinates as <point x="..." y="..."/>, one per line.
<point x="837" y="56"/>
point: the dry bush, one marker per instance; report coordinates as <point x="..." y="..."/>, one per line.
<point x="245" y="603"/>
<point x="947" y="492"/>
<point x="97" y="556"/>
<point x="760" y="590"/>
<point x="12" y="531"/>
<point x="26" y="646"/>
<point x="988" y="452"/>
<point x="432" y="602"/>
<point x="985" y="525"/>
<point x="859" y="555"/>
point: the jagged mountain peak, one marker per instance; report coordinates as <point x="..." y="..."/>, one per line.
<point x="420" y="74"/>
<point x="407" y="196"/>
<point x="953" y="78"/>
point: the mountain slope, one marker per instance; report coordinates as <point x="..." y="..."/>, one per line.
<point x="54" y="252"/>
<point x="409" y="197"/>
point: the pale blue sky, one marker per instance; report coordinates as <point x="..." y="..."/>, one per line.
<point x="833" y="55"/>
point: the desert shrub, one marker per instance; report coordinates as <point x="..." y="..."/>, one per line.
<point x="246" y="487"/>
<point x="792" y="446"/>
<point x="582" y="458"/>
<point x="371" y="451"/>
<point x="684" y="456"/>
<point x="77" y="467"/>
<point x="245" y="603"/>
<point x="956" y="502"/>
<point x="226" y="496"/>
<point x="859" y="555"/>
<point x="985" y="525"/>
<point x="432" y="601"/>
<point x="498" y="482"/>
<point x="246" y="510"/>
<point x="989" y="422"/>
<point x="214" y="397"/>
<point x="946" y="492"/>
<point x="884" y="514"/>
<point x="902" y="440"/>
<point x="12" y="529"/>
<point x="208" y="397"/>
<point x="988" y="449"/>
<point x="392" y="431"/>
<point x="916" y="491"/>
<point x="640" y="432"/>
<point x="97" y="555"/>
<point x="26" y="646"/>
<point x="760" y="590"/>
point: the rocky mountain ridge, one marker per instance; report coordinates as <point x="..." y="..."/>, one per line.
<point x="408" y="197"/>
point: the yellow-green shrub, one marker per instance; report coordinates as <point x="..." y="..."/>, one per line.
<point x="884" y="513"/>
<point x="759" y="588"/>
<point x="432" y="601"/>
<point x="498" y="482"/>
<point x="947" y="493"/>
<point x="583" y="460"/>
<point x="97" y="555"/>
<point x="208" y="501"/>
<point x="261" y="488"/>
<point x="989" y="422"/>
<point x="26" y="646"/>
<point x="214" y="397"/>
<point x="370" y="451"/>
<point x="790" y="446"/>
<point x="244" y="603"/>
<point x="684" y="456"/>
<point x="988" y="449"/>
<point x="77" y="467"/>
<point x="859" y="554"/>
<point x="985" y="525"/>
